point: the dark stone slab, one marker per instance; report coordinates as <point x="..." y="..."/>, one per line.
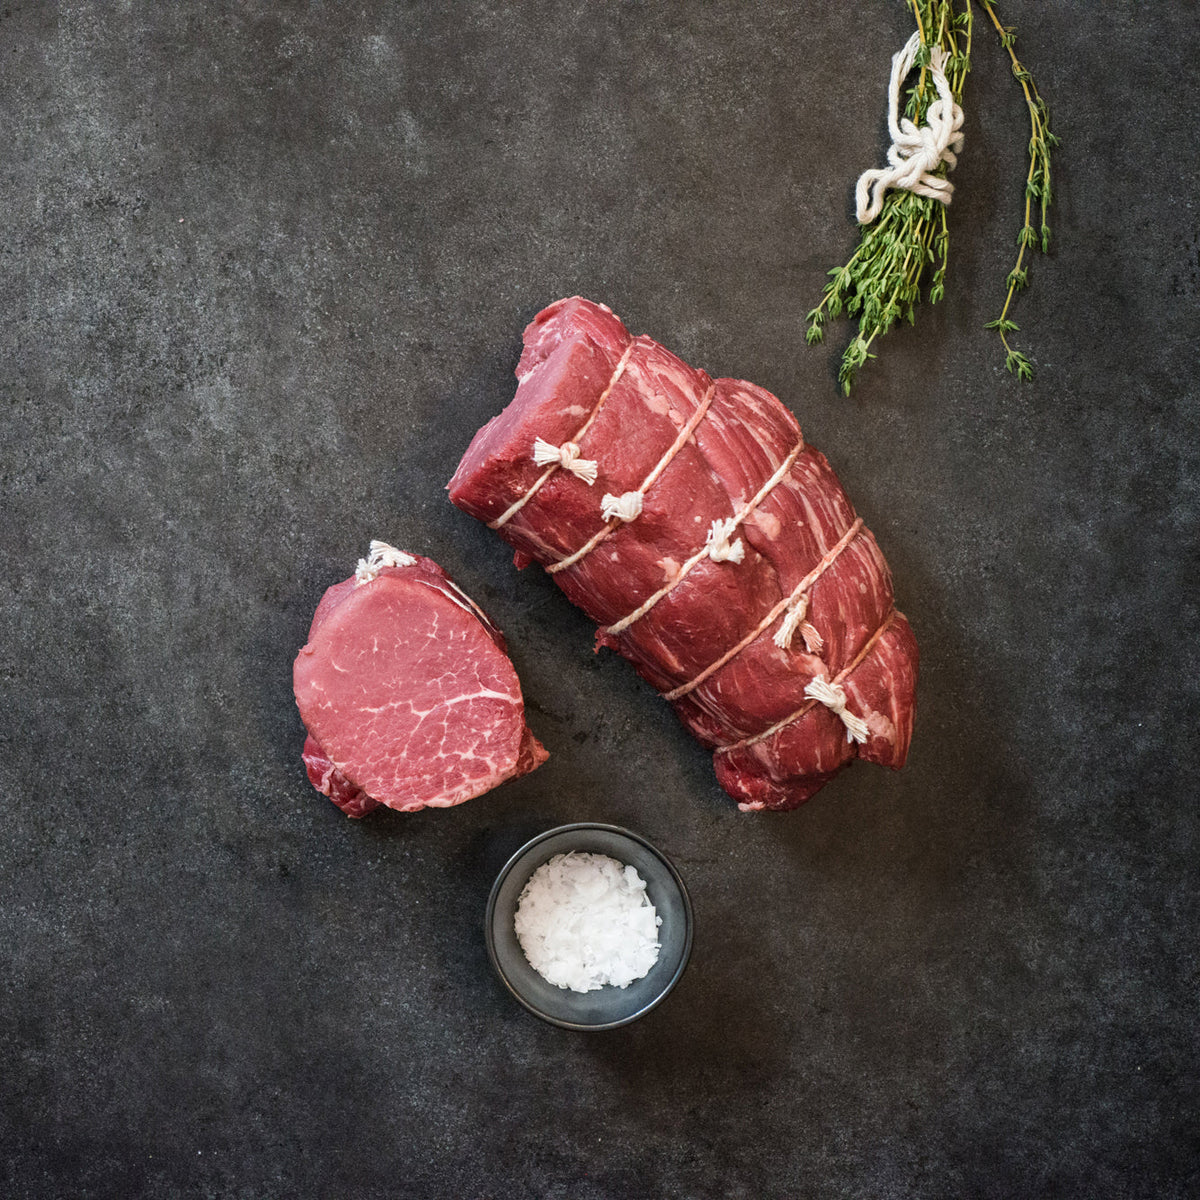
<point x="263" y="271"/>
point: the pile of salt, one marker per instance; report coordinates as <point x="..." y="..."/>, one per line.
<point x="584" y="920"/>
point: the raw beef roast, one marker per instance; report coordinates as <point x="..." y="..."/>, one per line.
<point x="716" y="549"/>
<point x="407" y="693"/>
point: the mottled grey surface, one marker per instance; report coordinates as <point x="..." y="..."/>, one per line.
<point x="263" y="271"/>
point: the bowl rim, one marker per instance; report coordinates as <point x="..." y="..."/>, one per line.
<point x="490" y="912"/>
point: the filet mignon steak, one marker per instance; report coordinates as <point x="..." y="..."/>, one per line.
<point x="407" y="692"/>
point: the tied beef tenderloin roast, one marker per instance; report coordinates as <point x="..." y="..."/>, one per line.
<point x="407" y="693"/>
<point x="715" y="548"/>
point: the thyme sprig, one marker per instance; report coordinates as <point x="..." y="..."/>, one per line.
<point x="1037" y="189"/>
<point x="882" y="281"/>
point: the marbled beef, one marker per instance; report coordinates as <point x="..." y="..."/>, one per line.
<point x="717" y="550"/>
<point x="407" y="693"/>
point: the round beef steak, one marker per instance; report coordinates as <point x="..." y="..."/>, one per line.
<point x="407" y="692"/>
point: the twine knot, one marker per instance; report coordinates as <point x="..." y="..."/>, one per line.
<point x="833" y="696"/>
<point x="916" y="152"/>
<point x="567" y="457"/>
<point x="626" y="507"/>
<point x="380" y="555"/>
<point x="794" y="620"/>
<point x="720" y="549"/>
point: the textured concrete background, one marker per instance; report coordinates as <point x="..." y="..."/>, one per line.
<point x="263" y="271"/>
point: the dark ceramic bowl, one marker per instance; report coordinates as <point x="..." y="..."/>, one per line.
<point x="608" y="1007"/>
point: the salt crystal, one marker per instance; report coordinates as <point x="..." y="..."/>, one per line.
<point x="584" y="921"/>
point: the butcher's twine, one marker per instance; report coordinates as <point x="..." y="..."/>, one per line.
<point x="555" y="461"/>
<point x="705" y="551"/>
<point x="618" y="510"/>
<point x="804" y="709"/>
<point x="567" y="457"/>
<point x="833" y="696"/>
<point x="720" y="548"/>
<point x="794" y="620"/>
<point x="380" y="555"/>
<point x="916" y="152"/>
<point x="800" y="595"/>
<point x="625" y="507"/>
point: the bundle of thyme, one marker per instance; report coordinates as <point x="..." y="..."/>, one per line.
<point x="882" y="282"/>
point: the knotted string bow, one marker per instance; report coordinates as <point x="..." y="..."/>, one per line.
<point x="916" y="152"/>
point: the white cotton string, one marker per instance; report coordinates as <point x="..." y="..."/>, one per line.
<point x="915" y="153"/>
<point x="705" y="551"/>
<point x="517" y="505"/>
<point x="812" y="639"/>
<point x="681" y="439"/>
<point x="833" y="696"/>
<point x="381" y="555"/>
<point x="794" y="620"/>
<point x="804" y="709"/>
<point x="614" y="509"/>
<point x="567" y="457"/>
<point x="795" y="615"/>
<point x="720" y="549"/>
<point x="626" y="507"/>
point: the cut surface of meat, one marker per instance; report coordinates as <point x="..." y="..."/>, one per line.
<point x="716" y="549"/>
<point x="407" y="692"/>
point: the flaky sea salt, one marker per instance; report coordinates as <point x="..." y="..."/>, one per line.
<point x="584" y="921"/>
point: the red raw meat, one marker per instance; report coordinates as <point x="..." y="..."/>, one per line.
<point x="407" y="693"/>
<point x="717" y="550"/>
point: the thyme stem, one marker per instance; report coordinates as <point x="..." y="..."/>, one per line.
<point x="1037" y="187"/>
